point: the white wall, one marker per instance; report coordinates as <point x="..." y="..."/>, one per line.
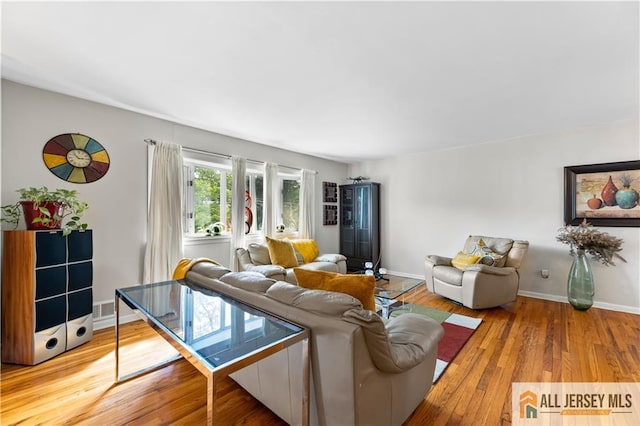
<point x="432" y="201"/>
<point x="117" y="213"/>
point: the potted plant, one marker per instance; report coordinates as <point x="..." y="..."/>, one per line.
<point x="582" y="240"/>
<point x="46" y="210"/>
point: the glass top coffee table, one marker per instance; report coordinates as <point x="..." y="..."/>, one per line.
<point x="214" y="332"/>
<point x="391" y="289"/>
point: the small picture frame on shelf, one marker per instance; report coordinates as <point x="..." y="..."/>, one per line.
<point x="330" y="215"/>
<point x="329" y="192"/>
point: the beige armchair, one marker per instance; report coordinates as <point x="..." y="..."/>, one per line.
<point x="485" y="274"/>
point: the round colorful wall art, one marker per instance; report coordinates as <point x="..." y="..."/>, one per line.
<point x="76" y="158"/>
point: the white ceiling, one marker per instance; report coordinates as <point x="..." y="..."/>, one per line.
<point x="347" y="81"/>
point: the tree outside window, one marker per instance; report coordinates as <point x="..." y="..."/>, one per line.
<point x="208" y="198"/>
<point x="290" y="204"/>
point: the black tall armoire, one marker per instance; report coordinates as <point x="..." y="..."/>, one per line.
<point x="360" y="224"/>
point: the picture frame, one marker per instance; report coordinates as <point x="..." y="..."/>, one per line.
<point x="329" y="192"/>
<point x="605" y="194"/>
<point x="330" y="215"/>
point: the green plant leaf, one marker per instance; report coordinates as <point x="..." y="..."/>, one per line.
<point x="44" y="212"/>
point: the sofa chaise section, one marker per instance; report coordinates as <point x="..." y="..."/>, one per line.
<point x="364" y="370"/>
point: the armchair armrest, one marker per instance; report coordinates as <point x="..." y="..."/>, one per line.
<point x="400" y="344"/>
<point x="436" y="260"/>
<point x="331" y="257"/>
<point x="493" y="270"/>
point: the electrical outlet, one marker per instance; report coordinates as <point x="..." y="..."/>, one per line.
<point x="544" y="273"/>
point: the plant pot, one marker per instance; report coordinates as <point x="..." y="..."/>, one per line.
<point x="43" y="215"/>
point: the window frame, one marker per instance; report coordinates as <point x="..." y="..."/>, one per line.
<point x="282" y="176"/>
<point x="190" y="162"/>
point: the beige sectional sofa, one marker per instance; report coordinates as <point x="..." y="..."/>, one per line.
<point x="364" y="370"/>
<point x="256" y="258"/>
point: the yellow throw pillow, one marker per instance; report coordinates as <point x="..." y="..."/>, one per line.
<point x="362" y="287"/>
<point x="309" y="278"/>
<point x="464" y="259"/>
<point x="307" y="248"/>
<point x="281" y="252"/>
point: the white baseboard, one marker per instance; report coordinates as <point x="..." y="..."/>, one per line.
<point x="544" y="296"/>
<point x="111" y="322"/>
<point x="596" y="304"/>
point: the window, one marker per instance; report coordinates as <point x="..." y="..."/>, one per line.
<point x="207" y="197"/>
<point x="290" y="205"/>
<point x="255" y="185"/>
<point x="208" y="192"/>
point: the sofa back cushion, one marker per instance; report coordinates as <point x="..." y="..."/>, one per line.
<point x="185" y="264"/>
<point x="492" y="251"/>
<point x="317" y="301"/>
<point x="517" y="253"/>
<point x="248" y="280"/>
<point x="362" y="287"/>
<point x="259" y="254"/>
<point x="281" y="252"/>
<point x="209" y="270"/>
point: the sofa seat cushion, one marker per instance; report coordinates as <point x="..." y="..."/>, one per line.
<point x="331" y="258"/>
<point x="462" y="260"/>
<point x="281" y="252"/>
<point x="247" y="280"/>
<point x="448" y="274"/>
<point x="317" y="301"/>
<point x="319" y="266"/>
<point x="362" y="287"/>
<point x="313" y="266"/>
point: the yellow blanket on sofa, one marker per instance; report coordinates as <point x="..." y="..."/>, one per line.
<point x="185" y="264"/>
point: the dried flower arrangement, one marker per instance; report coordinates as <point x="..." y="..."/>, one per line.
<point x="602" y="246"/>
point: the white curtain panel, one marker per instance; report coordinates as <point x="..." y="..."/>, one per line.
<point x="164" y="222"/>
<point x="270" y="191"/>
<point x="307" y="203"/>
<point x="238" y="171"/>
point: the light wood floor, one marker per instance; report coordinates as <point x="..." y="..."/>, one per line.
<point x="530" y="340"/>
